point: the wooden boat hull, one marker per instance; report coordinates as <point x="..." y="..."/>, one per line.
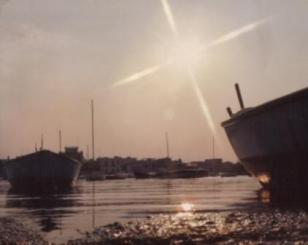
<point x="43" y="170"/>
<point x="271" y="141"/>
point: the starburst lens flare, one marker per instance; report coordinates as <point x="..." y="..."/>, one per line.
<point x="169" y="16"/>
<point x="203" y="104"/>
<point x="191" y="56"/>
<point x="186" y="55"/>
<point x="236" y="33"/>
<point x="139" y="75"/>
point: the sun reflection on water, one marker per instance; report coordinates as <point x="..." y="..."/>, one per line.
<point x="265" y="196"/>
<point x="187" y="207"/>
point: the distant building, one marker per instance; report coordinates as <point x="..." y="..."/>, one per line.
<point x="73" y="152"/>
<point x="116" y="164"/>
<point x="216" y="166"/>
<point x="213" y="165"/>
<point x="1" y="167"/>
<point x="130" y="165"/>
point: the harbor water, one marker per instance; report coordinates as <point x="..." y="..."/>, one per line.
<point x="65" y="216"/>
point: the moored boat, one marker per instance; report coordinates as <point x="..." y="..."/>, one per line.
<point x="116" y="176"/>
<point x="183" y="174"/>
<point x="144" y="175"/>
<point x="271" y="140"/>
<point x="95" y="176"/>
<point x="42" y="171"/>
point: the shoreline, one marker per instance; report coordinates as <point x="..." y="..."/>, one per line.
<point x="225" y="227"/>
<point x="245" y="227"/>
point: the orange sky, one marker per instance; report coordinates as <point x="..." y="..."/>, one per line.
<point x="55" y="56"/>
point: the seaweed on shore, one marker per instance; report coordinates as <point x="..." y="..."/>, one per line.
<point x="274" y="227"/>
<point x="14" y="232"/>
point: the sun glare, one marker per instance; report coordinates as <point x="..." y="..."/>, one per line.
<point x="184" y="53"/>
<point x="138" y="75"/>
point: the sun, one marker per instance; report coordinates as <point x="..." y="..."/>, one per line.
<point x="185" y="53"/>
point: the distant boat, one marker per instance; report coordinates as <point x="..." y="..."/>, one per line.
<point x="271" y="140"/>
<point x="144" y="175"/>
<point x="116" y="176"/>
<point x="43" y="170"/>
<point x="183" y="174"/>
<point x="226" y="174"/>
<point x="95" y="176"/>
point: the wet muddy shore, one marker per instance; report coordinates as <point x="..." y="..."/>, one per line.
<point x="14" y="232"/>
<point x="243" y="227"/>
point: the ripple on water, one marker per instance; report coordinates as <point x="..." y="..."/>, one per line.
<point x="65" y="216"/>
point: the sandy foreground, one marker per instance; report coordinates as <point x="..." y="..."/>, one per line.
<point x="242" y="227"/>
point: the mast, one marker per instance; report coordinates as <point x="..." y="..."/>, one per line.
<point x="93" y="157"/>
<point x="60" y="141"/>
<point x="92" y="117"/>
<point x="239" y="95"/>
<point x="167" y="144"/>
<point x="213" y="147"/>
<point x="87" y="152"/>
<point x="230" y="113"/>
<point x="42" y="142"/>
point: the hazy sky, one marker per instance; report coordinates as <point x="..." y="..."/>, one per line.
<point x="55" y="56"/>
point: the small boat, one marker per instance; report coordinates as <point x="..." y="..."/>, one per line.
<point x="95" y="176"/>
<point x="271" y="140"/>
<point x="226" y="174"/>
<point x="42" y="171"/>
<point x="116" y="176"/>
<point x="144" y="175"/>
<point x="183" y="174"/>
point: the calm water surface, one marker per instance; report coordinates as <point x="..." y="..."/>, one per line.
<point x="65" y="216"/>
